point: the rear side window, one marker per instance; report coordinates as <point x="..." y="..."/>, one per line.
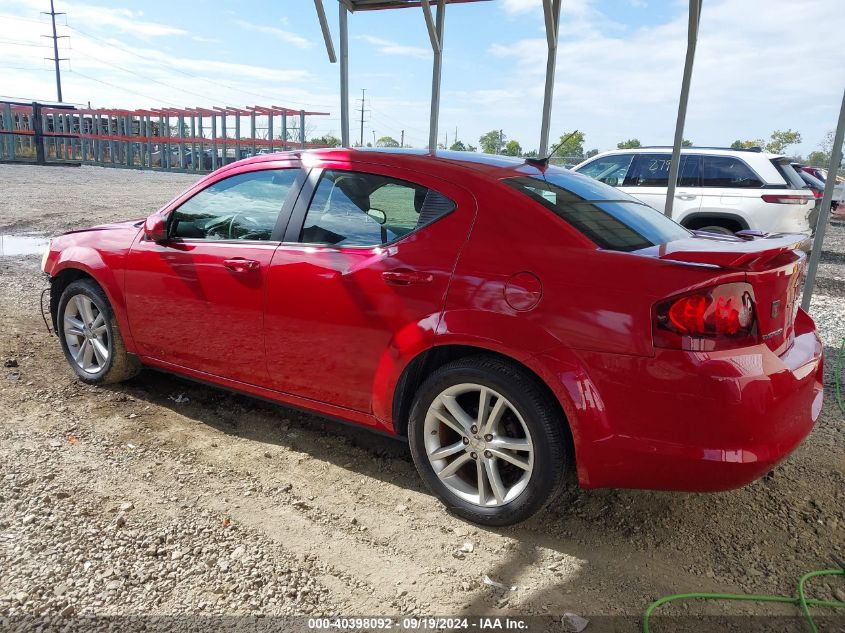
<point x="793" y="180"/>
<point x="358" y="209"/>
<point x="611" y="170"/>
<point x="727" y="172"/>
<point x="620" y="225"/>
<point x="652" y="170"/>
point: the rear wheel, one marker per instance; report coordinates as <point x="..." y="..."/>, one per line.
<point x="487" y="440"/>
<point x="89" y="335"/>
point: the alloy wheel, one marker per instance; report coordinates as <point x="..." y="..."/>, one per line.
<point x="478" y="444"/>
<point x="86" y="334"/>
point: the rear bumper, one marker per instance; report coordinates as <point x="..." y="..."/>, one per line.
<point x="694" y="421"/>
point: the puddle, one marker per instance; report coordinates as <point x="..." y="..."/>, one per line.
<point x="15" y="245"/>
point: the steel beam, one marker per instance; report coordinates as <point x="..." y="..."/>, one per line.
<point x="551" y="11"/>
<point x="675" y="164"/>
<point x="344" y="74"/>
<point x="435" y="34"/>
<point x="824" y="212"/>
<point x="302" y="129"/>
<point x="324" y="27"/>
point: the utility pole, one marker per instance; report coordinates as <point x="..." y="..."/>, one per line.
<point x="361" y="140"/>
<point x="402" y="142"/>
<point x="374" y="138"/>
<point x="499" y="144"/>
<point x="52" y="13"/>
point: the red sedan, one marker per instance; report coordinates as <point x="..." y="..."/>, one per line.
<point x="512" y="320"/>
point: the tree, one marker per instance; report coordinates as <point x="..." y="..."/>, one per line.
<point x="387" y="141"/>
<point x="781" y="140"/>
<point x="329" y="140"/>
<point x="531" y="154"/>
<point x="591" y="153"/>
<point x="631" y="143"/>
<point x="572" y="145"/>
<point x="459" y="146"/>
<point x="819" y="159"/>
<point x="686" y="143"/>
<point x="512" y="148"/>
<point x="737" y="144"/>
<point x="491" y="141"/>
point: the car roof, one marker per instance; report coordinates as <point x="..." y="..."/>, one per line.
<point x="490" y="165"/>
<point x="716" y="151"/>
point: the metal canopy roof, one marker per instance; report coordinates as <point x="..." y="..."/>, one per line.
<point x="435" y="26"/>
<point x="374" y="5"/>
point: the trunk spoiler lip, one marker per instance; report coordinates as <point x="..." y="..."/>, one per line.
<point x="750" y="251"/>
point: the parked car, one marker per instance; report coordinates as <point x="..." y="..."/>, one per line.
<point x="719" y="190"/>
<point x="511" y="320"/>
<point x="816" y="186"/>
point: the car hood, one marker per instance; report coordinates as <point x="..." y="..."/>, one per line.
<point x="132" y="225"/>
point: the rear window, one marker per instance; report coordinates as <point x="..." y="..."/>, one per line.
<point x="793" y="180"/>
<point x="611" y="219"/>
<point x="727" y="172"/>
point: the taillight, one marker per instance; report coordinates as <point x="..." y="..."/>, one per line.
<point x="817" y="194"/>
<point x="779" y="199"/>
<point x="715" y="318"/>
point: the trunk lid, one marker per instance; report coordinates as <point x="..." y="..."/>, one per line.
<point x="773" y="264"/>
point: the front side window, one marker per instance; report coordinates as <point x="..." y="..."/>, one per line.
<point x="617" y="222"/>
<point x="358" y="209"/>
<point x="611" y="170"/>
<point x="241" y="207"/>
<point x="727" y="172"/>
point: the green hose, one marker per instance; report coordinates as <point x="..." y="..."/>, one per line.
<point x="801" y="600"/>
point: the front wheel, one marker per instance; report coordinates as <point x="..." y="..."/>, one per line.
<point x="90" y="337"/>
<point x="488" y="441"/>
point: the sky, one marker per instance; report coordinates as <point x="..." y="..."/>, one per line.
<point x="761" y="65"/>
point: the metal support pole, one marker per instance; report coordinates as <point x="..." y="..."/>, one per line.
<point x="165" y="151"/>
<point x="270" y="131"/>
<point x="675" y="164"/>
<point x="56" y="52"/>
<point x="195" y="158"/>
<point x="224" y="135"/>
<point x="551" y="10"/>
<point x="180" y="121"/>
<point x="199" y="157"/>
<point x="824" y="212"/>
<point x="284" y="131"/>
<point x="302" y="129"/>
<point x="237" y="135"/>
<point x="130" y="146"/>
<point x="214" y="164"/>
<point x="435" y="34"/>
<point x="324" y="26"/>
<point x="38" y="131"/>
<point x="344" y="75"/>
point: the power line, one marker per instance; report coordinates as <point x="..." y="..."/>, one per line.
<point x="216" y="81"/>
<point x="56" y="59"/>
<point x="108" y="83"/>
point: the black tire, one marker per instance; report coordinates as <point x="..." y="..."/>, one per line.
<point x="541" y="417"/>
<point x="119" y="365"/>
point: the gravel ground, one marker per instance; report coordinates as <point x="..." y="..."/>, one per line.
<point x="163" y="497"/>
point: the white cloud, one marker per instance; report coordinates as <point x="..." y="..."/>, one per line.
<point x="288" y="37"/>
<point x="389" y="47"/>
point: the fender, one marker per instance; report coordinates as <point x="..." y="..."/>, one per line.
<point x="107" y="272"/>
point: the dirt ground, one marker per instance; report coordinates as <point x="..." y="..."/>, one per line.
<point x="161" y="496"/>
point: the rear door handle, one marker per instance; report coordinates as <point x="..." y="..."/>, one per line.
<point x="407" y="277"/>
<point x="685" y="196"/>
<point x="241" y="265"/>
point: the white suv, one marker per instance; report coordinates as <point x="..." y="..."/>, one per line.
<point x="723" y="190"/>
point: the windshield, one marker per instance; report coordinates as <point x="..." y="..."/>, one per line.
<point x="610" y="218"/>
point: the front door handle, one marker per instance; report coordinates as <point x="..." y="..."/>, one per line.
<point x="241" y="265"/>
<point x="407" y="277"/>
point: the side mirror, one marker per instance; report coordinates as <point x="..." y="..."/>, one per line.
<point x="155" y="228"/>
<point x="378" y="215"/>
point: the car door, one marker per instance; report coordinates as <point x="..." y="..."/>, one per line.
<point x="648" y="180"/>
<point x="361" y="278"/>
<point x="196" y="300"/>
